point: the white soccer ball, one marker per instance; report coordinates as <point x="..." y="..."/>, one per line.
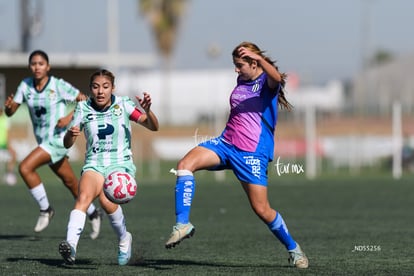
<point x="120" y="187"/>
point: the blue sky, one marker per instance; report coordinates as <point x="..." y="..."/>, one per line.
<point x="319" y="39"/>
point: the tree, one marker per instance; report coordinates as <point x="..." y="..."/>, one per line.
<point x="164" y="17"/>
<point x="381" y="57"/>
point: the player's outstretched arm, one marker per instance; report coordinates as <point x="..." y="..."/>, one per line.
<point x="64" y="121"/>
<point x="10" y="106"/>
<point x="70" y="136"/>
<point x="148" y="120"/>
<point x="81" y="97"/>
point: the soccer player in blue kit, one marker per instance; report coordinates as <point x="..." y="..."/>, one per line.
<point x="105" y="121"/>
<point x="245" y="146"/>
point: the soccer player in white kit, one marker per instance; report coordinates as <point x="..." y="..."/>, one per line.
<point x="105" y="121"/>
<point x="47" y="98"/>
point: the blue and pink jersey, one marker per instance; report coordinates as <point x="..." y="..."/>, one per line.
<point x="253" y="116"/>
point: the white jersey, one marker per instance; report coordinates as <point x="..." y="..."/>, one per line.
<point x="107" y="132"/>
<point x="46" y="107"/>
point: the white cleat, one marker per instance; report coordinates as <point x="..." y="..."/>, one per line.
<point x="298" y="258"/>
<point x="125" y="249"/>
<point x="95" y="220"/>
<point x="44" y="219"/>
<point x="179" y="233"/>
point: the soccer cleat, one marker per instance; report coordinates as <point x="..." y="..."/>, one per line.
<point x="125" y="248"/>
<point x="179" y="233"/>
<point x="44" y="219"/>
<point x="298" y="258"/>
<point x="95" y="220"/>
<point x="67" y="252"/>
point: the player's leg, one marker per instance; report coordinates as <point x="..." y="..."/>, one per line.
<point x="90" y="186"/>
<point x="64" y="171"/>
<point x="198" y="158"/>
<point x="257" y="195"/>
<point x="258" y="198"/>
<point x="27" y="169"/>
<point x="118" y="223"/>
<point x="11" y="178"/>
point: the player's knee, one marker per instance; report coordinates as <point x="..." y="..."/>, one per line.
<point x="24" y="169"/>
<point x="84" y="200"/>
<point x="261" y="210"/>
<point x="184" y="164"/>
<point x="108" y="206"/>
<point x="70" y="182"/>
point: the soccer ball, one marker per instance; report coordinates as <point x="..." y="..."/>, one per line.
<point x="120" y="187"/>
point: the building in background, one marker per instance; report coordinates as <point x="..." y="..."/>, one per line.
<point x="377" y="88"/>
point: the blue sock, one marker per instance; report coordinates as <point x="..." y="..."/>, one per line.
<point x="279" y="229"/>
<point x="184" y="193"/>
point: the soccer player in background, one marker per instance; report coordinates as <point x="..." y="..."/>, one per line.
<point x="105" y="120"/>
<point x="46" y="98"/>
<point x="245" y="146"/>
<point x="10" y="177"/>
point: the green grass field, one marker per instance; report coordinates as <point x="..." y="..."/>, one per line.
<point x="347" y="225"/>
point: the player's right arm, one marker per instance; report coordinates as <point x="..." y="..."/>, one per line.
<point x="10" y="106"/>
<point x="70" y="136"/>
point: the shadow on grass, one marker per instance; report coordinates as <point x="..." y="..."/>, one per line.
<point x="56" y="262"/>
<point x="14" y="237"/>
<point x="28" y="237"/>
<point x="166" y="264"/>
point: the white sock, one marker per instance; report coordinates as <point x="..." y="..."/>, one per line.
<point x="39" y="194"/>
<point x="117" y="221"/>
<point x="91" y="209"/>
<point x="76" y="224"/>
<point x="184" y="172"/>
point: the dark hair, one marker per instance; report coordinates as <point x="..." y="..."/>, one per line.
<point x="104" y="73"/>
<point x="283" y="102"/>
<point x="40" y="53"/>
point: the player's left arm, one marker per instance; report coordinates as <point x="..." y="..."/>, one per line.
<point x="10" y="106"/>
<point x="70" y="136"/>
<point x="148" y="119"/>
<point x="64" y="121"/>
<point x="273" y="75"/>
<point x="81" y="97"/>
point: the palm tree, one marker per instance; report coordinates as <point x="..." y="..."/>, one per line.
<point x="164" y="17"/>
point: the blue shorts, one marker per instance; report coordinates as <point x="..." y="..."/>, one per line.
<point x="249" y="167"/>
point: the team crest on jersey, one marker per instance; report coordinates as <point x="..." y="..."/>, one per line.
<point x="256" y="87"/>
<point x="52" y="94"/>
<point x="117" y="110"/>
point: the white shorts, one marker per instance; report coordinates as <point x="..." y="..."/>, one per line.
<point x="55" y="148"/>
